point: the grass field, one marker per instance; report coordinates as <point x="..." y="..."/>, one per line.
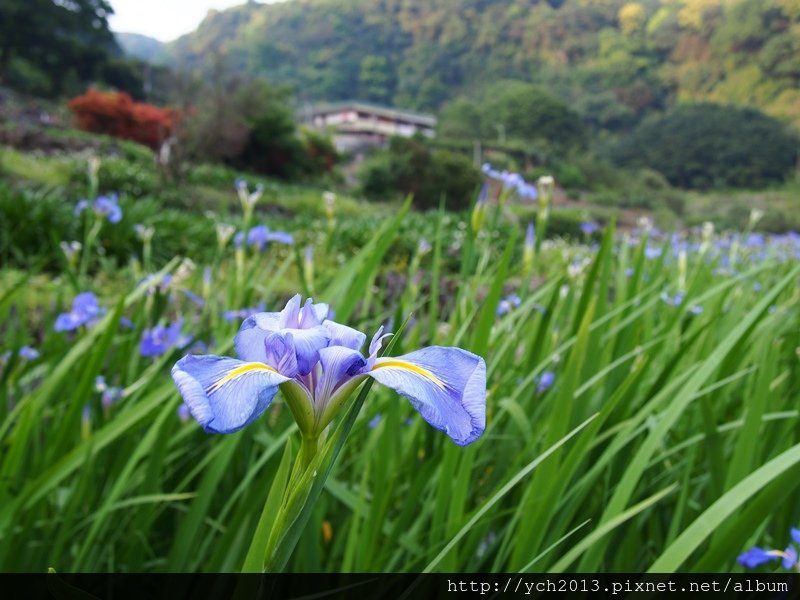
<point x="642" y="404"/>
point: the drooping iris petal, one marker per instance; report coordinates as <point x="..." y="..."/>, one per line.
<point x="81" y="206"/>
<point x="281" y="237"/>
<point x="375" y="346"/>
<point x="307" y="344"/>
<point x="249" y="342"/>
<point x="342" y="335"/>
<point x="290" y="315"/>
<point x="756" y="556"/>
<point x="795" y="533"/>
<point x="68" y="322"/>
<point x="339" y="364"/>
<point x="224" y="394"/>
<point x="85" y="309"/>
<point x="789" y="558"/>
<point x="446" y="385"/>
<point x="280" y="352"/>
<point x="312" y="315"/>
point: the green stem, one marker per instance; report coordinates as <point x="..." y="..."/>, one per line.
<point x="86" y="251"/>
<point x="308" y="450"/>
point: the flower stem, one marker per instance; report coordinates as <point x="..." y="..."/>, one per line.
<point x="308" y="450"/>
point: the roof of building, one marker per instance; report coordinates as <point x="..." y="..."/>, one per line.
<point x="392" y="113"/>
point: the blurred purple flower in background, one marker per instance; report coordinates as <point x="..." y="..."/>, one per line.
<point x="85" y="311"/>
<point x="105" y="207"/>
<point x="755" y="556"/>
<point x="260" y="236"/>
<point x="159" y="339"/>
<point x="545" y="381"/>
<point x="589" y="227"/>
<point x="507" y="304"/>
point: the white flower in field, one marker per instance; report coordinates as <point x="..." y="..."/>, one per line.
<point x="144" y="232"/>
<point x="423" y="247"/>
<point x="708" y="231"/>
<point x="93" y="167"/>
<point x="329" y="198"/>
<point x="645" y="224"/>
<point x="224" y="234"/>
<point x="247" y="198"/>
<point x="71" y="249"/>
<point x="683" y="267"/>
<point x="756" y="215"/>
<point x="577" y="267"/>
<point x="563" y="291"/>
<point x="546" y="181"/>
<point x="184" y="270"/>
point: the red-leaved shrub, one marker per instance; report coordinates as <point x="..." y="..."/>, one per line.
<point x="116" y="114"/>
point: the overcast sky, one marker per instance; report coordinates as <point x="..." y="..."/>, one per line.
<point x="164" y="20"/>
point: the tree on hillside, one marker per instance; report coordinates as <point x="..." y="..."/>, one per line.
<point x="709" y="145"/>
<point x="64" y="44"/>
<point x="514" y="111"/>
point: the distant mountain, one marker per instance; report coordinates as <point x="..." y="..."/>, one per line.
<point x="615" y="61"/>
<point x="142" y="47"/>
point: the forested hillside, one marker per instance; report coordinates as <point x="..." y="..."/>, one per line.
<point x="613" y="61"/>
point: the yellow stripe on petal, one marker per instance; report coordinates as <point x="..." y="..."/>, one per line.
<point x="402" y="364"/>
<point x="244" y="369"/>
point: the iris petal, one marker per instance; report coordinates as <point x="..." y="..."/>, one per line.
<point x="339" y="364"/>
<point x="446" y="385"/>
<point x="307" y="344"/>
<point x="225" y="394"/>
<point x="789" y="558"/>
<point x="756" y="556"/>
<point x="795" y="533"/>
<point x="290" y="315"/>
<point x="249" y="342"/>
<point x="342" y="335"/>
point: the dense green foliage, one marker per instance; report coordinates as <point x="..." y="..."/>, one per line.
<point x="410" y="166"/>
<point x="515" y="112"/>
<point x="707" y="145"/>
<point x="611" y="60"/>
<point x="52" y="48"/>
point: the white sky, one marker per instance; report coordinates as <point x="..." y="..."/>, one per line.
<point x="164" y="20"/>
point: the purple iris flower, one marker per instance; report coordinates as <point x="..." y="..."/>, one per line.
<point x="756" y="556"/>
<point x="317" y="363"/>
<point x="675" y="300"/>
<point x="589" y="228"/>
<point x="159" y="339"/>
<point x="546" y="380"/>
<point x="512" y="181"/>
<point x="85" y="311"/>
<point x="507" y="304"/>
<point x="25" y="353"/>
<point x="28" y="353"/>
<point x="260" y="235"/>
<point x="527" y="191"/>
<point x="651" y="253"/>
<point x="106" y="207"/>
